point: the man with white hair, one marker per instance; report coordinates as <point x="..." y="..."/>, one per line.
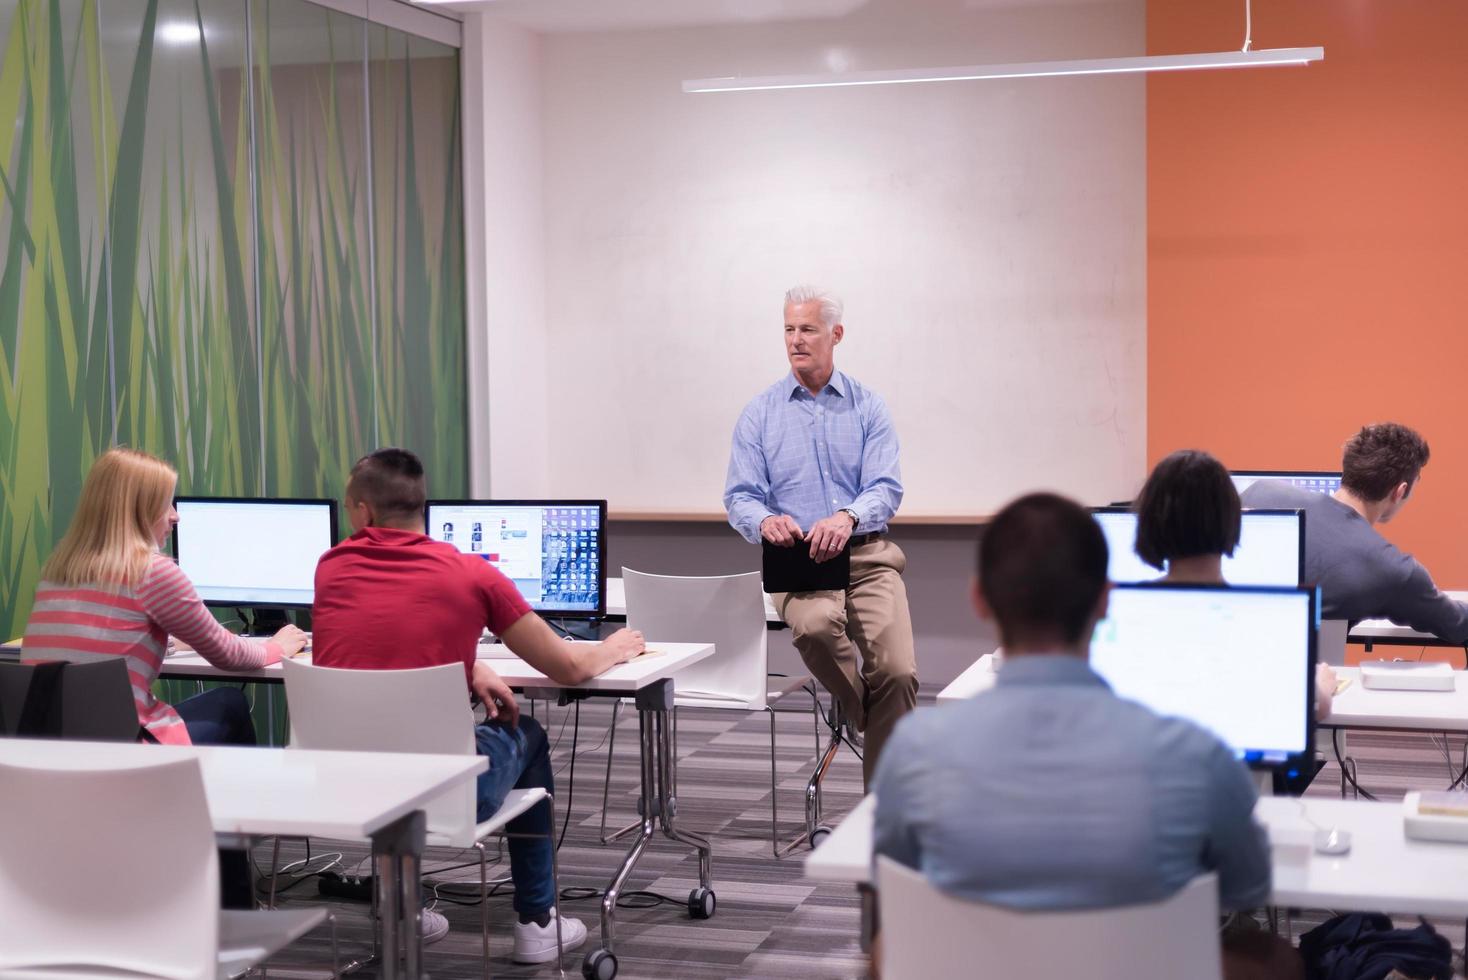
<point x="814" y="465"/>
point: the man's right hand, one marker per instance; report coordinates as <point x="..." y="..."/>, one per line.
<point x="625" y="644"/>
<point x="781" y="529"/>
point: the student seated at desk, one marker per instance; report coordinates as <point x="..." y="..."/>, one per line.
<point x="1048" y="792"/>
<point x="391" y="598"/>
<point x="1188" y="518"/>
<point x="108" y="591"/>
<point x="1361" y="574"/>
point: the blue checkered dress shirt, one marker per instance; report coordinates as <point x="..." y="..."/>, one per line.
<point x="812" y="456"/>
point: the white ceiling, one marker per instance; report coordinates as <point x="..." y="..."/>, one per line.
<point x="558" y="16"/>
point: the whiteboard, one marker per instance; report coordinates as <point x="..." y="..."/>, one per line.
<point x="989" y="240"/>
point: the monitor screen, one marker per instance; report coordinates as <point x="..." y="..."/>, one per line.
<point x="241" y="552"/>
<point x="551" y="549"/>
<point x="1318" y="481"/>
<point x="1239" y="662"/>
<point x="1271" y="549"/>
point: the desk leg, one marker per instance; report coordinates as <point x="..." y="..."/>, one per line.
<point x="657" y="805"/>
<point x="868" y="896"/>
<point x="397" y="853"/>
<point x="647" y="806"/>
<point x="668" y="800"/>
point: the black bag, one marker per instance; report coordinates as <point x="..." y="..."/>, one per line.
<point x="1364" y="946"/>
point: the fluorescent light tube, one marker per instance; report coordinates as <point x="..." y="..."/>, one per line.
<point x="1032" y="69"/>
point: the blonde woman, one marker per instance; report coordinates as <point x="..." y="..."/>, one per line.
<point x="107" y="591"/>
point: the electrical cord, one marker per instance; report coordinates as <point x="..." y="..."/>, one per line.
<point x="1462" y="775"/>
<point x="263" y="881"/>
<point x="571" y="780"/>
<point x="1335" y="740"/>
<point x="636" y="899"/>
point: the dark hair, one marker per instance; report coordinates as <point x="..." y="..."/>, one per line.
<point x="391" y="481"/>
<point x="1380" y="457"/>
<point x="1187" y="507"/>
<point x="1042" y="569"/>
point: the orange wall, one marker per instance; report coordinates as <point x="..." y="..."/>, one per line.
<point x="1308" y="245"/>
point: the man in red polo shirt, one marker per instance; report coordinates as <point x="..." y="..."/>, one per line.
<point x="391" y="598"/>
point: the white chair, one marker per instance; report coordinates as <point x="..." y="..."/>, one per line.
<point x="113" y="872"/>
<point x="1331" y="642"/>
<point x="421" y="710"/>
<point x="729" y="612"/>
<point x="926" y="933"/>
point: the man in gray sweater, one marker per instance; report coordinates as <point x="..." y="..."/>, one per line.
<point x="1361" y="574"/>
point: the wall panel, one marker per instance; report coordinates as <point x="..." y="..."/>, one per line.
<point x="187" y="238"/>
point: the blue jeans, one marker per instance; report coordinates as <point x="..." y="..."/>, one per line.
<point x="222" y="717"/>
<point x="218" y="717"/>
<point x="519" y="758"/>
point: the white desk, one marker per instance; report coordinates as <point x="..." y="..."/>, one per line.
<point x="1433" y="711"/>
<point x="846" y="855"/>
<point x="622" y="679"/>
<point x="977" y="678"/>
<point x="648" y="680"/>
<point x="257" y="792"/>
<point x="1384" y="871"/>
<point x="1388" y="633"/>
<point x="1355" y="707"/>
<point x="617" y="603"/>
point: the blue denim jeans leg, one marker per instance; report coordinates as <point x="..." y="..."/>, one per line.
<point x="519" y="758"/>
<point x="221" y="716"/>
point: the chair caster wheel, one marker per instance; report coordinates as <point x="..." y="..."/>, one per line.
<point x="701" y="904"/>
<point x="818" y="836"/>
<point x="600" y="964"/>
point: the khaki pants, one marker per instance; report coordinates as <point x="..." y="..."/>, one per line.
<point x="870" y="618"/>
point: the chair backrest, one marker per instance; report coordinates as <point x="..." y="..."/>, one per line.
<point x="725" y="610"/>
<point x="1331" y="644"/>
<point x="90" y="699"/>
<point x="421" y="710"/>
<point x="108" y="871"/>
<point x="926" y="933"/>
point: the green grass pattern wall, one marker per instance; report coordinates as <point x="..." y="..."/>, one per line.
<point x="257" y="274"/>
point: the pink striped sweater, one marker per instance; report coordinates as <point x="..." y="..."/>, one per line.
<point x="92" y="621"/>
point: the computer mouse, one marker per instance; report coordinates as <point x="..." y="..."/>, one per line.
<point x="1332" y="841"/>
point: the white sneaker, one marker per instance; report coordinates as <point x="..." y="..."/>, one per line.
<point x="435" y="926"/>
<point x="537" y="944"/>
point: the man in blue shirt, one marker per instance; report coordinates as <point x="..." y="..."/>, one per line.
<point x="1049" y="792"/>
<point x="814" y="465"/>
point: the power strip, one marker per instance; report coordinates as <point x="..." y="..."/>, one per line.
<point x="354" y="889"/>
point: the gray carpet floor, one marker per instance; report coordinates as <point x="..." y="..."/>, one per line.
<point x="771" y="921"/>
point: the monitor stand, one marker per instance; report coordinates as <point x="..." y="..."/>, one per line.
<point x="267" y="621"/>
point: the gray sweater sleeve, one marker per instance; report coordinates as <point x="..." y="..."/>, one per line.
<point x="1418" y="603"/>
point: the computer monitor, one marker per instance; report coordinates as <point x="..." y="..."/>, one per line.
<point x="240" y="551"/>
<point x="553" y="550"/>
<point x="1239" y="662"/>
<point x="1271" y="548"/>
<point x="1317" y="481"/>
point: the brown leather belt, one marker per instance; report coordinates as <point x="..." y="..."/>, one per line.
<point x="857" y="540"/>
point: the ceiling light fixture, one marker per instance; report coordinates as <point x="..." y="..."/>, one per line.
<point x="1030" y="69"/>
<point x="179" y="32"/>
<point x="1244" y="58"/>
